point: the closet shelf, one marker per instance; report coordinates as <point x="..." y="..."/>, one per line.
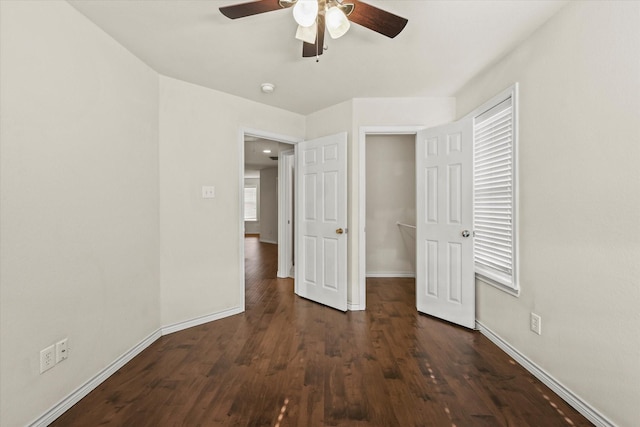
<point x="405" y="225"/>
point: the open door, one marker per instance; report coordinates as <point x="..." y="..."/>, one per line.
<point x="321" y="220"/>
<point x="445" y="278"/>
<point x="285" y="213"/>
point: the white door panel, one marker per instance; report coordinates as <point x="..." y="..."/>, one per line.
<point x="321" y="219"/>
<point x="285" y="213"/>
<point x="445" y="280"/>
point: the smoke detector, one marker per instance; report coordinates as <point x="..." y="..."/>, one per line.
<point x="268" y="87"/>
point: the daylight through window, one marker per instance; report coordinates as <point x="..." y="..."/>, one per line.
<point x="494" y="194"/>
<point x="251" y="203"/>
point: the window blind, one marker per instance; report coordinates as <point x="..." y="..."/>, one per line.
<point x="250" y="204"/>
<point x="494" y="193"/>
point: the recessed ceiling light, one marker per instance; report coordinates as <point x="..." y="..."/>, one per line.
<point x="268" y="87"/>
<point x="266" y="151"/>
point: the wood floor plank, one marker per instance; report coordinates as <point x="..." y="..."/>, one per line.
<point x="289" y="362"/>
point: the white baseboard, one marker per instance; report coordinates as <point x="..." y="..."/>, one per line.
<point x="166" y="330"/>
<point x="273" y="242"/>
<point x="391" y="274"/>
<point x="54" y="412"/>
<point x="284" y="276"/>
<point x="567" y="395"/>
<point x="73" y="398"/>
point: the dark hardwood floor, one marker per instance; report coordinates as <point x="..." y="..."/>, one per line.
<point x="287" y="361"/>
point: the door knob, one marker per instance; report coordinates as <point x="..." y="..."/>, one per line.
<point x="339" y="231"/>
<point x="466" y="233"/>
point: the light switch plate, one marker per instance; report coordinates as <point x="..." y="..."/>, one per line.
<point x="61" y="350"/>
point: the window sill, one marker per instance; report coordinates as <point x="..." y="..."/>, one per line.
<point x="508" y="289"/>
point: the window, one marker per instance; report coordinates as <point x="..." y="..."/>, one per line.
<point x="494" y="183"/>
<point x="251" y="203"/>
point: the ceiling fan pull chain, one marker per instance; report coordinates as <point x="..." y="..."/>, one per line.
<point x="317" y="55"/>
<point x="317" y="42"/>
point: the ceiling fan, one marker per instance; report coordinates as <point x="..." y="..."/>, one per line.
<point x="313" y="16"/>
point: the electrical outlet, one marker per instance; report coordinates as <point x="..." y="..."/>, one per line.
<point x="536" y="323"/>
<point x="208" y="192"/>
<point x="61" y="350"/>
<point x="47" y="358"/>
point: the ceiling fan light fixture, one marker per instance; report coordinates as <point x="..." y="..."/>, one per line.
<point x="334" y="16"/>
<point x="307" y="34"/>
<point x="337" y="22"/>
<point x="305" y="12"/>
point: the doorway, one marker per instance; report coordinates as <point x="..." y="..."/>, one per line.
<point x="390" y="206"/>
<point x="391" y="213"/>
<point x="323" y="164"/>
<point x="387" y="233"/>
<point x="262" y="211"/>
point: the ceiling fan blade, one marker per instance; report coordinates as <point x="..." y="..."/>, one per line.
<point x="251" y="8"/>
<point x="315" y="49"/>
<point x="376" y="19"/>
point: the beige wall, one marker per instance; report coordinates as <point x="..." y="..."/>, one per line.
<point x="79" y="229"/>
<point x="391" y="198"/>
<point x="579" y="202"/>
<point x="199" y="145"/>
<point x="269" y="205"/>
<point x="88" y="135"/>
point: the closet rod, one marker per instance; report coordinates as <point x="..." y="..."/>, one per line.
<point x="405" y="225"/>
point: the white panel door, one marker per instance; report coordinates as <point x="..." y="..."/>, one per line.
<point x="445" y="278"/>
<point x="321" y="220"/>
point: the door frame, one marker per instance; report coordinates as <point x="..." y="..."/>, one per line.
<point x="286" y="161"/>
<point x="242" y="132"/>
<point x="362" y="201"/>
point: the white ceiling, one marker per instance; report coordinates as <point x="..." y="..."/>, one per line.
<point x="256" y="159"/>
<point x="444" y="44"/>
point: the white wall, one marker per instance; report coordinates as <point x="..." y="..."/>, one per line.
<point x="79" y="229"/>
<point x="391" y="198"/>
<point x="253" y="227"/>
<point x="269" y="205"/>
<point x="199" y="145"/>
<point x="579" y="202"/>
